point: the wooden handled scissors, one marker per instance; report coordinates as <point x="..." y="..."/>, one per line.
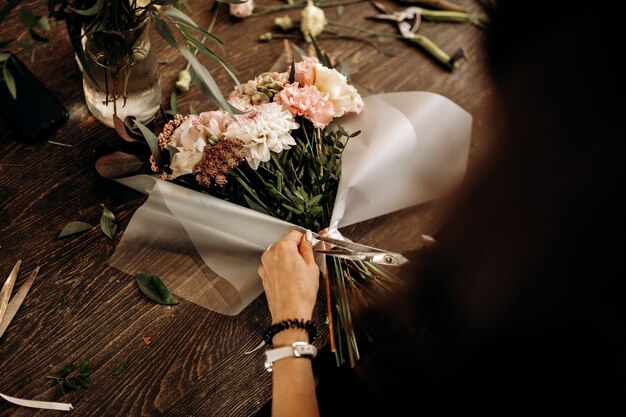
<point x="9" y="309"/>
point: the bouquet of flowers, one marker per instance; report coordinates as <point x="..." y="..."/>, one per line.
<point x="234" y="182"/>
<point x="280" y="157"/>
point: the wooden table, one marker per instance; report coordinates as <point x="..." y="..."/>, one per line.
<point x="195" y="364"/>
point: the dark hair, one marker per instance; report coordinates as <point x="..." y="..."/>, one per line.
<point x="522" y="302"/>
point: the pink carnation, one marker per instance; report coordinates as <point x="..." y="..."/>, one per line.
<point x="305" y="72"/>
<point x="307" y="101"/>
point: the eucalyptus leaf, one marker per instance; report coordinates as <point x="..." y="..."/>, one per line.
<point x="205" y="82"/>
<point x="202" y="48"/>
<point x="27" y="17"/>
<point x="232" y="1"/>
<point x="10" y="81"/>
<point x="118" y="164"/>
<point x="73" y="228"/>
<point x="181" y="18"/>
<point x="152" y="287"/>
<point x="91" y="11"/>
<point x="152" y="140"/>
<point x="164" y="31"/>
<point x="107" y="222"/>
<point x="7" y="8"/>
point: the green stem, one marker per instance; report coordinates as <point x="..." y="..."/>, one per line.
<point x="445" y="16"/>
<point x="436" y="52"/>
<point x="263" y="10"/>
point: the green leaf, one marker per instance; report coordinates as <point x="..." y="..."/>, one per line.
<point x="173" y="102"/>
<point x="153" y="288"/>
<point x="118" y="164"/>
<point x="27" y="17"/>
<point x="205" y="82"/>
<point x="84" y="367"/>
<point x="108" y="223"/>
<point x="7" y="8"/>
<point x="202" y="48"/>
<point x="153" y="142"/>
<point x="292" y="72"/>
<point x="73" y="228"/>
<point x="181" y="18"/>
<point x="121" y="368"/>
<point x="10" y="81"/>
<point x="63" y="301"/>
<point x="164" y="31"/>
<point x="232" y="1"/>
<point x="91" y="11"/>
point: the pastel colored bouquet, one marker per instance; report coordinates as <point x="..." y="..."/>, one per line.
<point x="224" y="185"/>
<point x="281" y="157"/>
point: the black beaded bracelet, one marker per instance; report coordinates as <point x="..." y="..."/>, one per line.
<point x="276" y="328"/>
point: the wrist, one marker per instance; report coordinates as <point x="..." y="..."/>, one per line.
<point x="289" y="336"/>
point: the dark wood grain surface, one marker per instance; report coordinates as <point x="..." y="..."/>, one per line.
<point x="195" y="364"/>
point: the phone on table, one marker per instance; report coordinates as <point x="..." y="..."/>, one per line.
<point x="35" y="112"/>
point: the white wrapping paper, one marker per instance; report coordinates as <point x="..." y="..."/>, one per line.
<point x="413" y="148"/>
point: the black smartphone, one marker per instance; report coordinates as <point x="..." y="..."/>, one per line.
<point x="35" y="112"/>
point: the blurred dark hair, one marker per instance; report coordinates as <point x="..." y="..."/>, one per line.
<point x="523" y="302"/>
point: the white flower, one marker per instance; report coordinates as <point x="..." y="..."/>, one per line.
<point x="344" y="96"/>
<point x="188" y="138"/>
<point x="242" y="9"/>
<point x="267" y="127"/>
<point x="313" y="21"/>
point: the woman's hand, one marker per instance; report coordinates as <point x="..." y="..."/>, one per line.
<point x="290" y="278"/>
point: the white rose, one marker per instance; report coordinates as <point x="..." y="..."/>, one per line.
<point x="344" y="96"/>
<point x="242" y="9"/>
<point x="313" y="21"/>
<point x="189" y="140"/>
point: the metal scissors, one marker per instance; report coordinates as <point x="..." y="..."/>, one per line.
<point x="9" y="309"/>
<point x="408" y="22"/>
<point x="355" y="251"/>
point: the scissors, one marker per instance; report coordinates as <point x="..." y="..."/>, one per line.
<point x="408" y="22"/>
<point x="355" y="251"/>
<point x="9" y="309"/>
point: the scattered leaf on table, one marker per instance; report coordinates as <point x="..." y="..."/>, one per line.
<point x="121" y="368"/>
<point x="147" y="340"/>
<point x="153" y="288"/>
<point x="73" y="228"/>
<point x="107" y="222"/>
<point x="73" y="377"/>
<point x="118" y="164"/>
<point x="63" y="301"/>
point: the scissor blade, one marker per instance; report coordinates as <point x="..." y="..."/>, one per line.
<point x="385" y="258"/>
<point x="5" y="293"/>
<point x="16" y="301"/>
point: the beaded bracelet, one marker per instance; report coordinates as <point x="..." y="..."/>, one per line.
<point x="276" y="328"/>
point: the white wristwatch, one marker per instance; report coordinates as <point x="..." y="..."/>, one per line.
<point x="296" y="350"/>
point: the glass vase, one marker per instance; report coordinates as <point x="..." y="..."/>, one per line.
<point x="126" y="79"/>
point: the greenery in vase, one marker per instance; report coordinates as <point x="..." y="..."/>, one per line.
<point x="111" y="22"/>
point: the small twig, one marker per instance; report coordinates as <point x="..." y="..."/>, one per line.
<point x="52" y="142"/>
<point x="437" y="4"/>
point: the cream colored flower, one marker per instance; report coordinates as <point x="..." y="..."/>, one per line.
<point x="313" y="21"/>
<point x="344" y="96"/>
<point x="189" y="140"/>
<point x="285" y="22"/>
<point x="184" y="80"/>
<point x="242" y="9"/>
